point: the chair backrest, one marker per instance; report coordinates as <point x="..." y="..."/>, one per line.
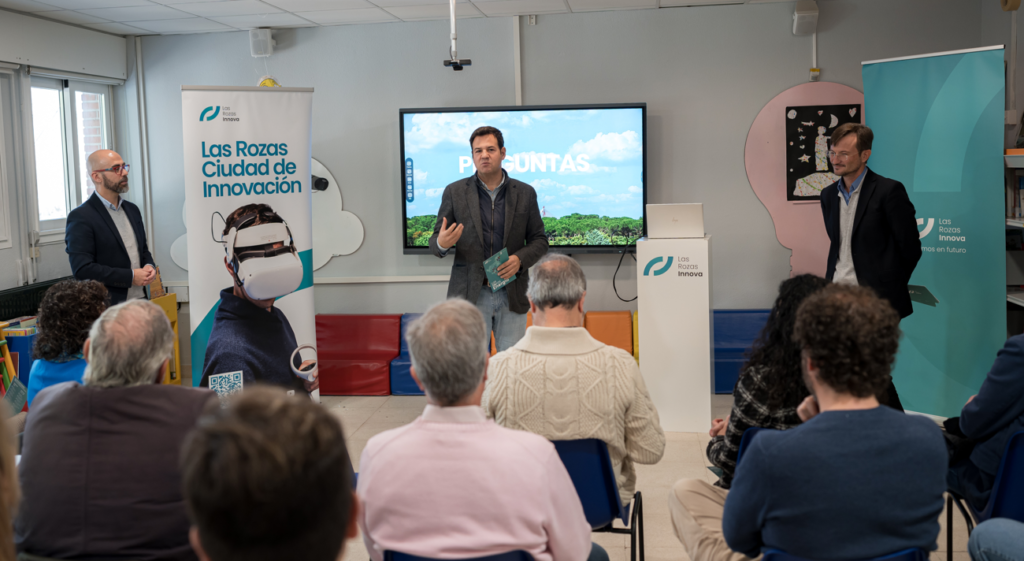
<point x="1007" y="499"/>
<point x="517" y="555"/>
<point x="748" y="436"/>
<point x="590" y="468"/>
<point x="905" y="555"/>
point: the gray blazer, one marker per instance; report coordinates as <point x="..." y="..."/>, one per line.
<point x="524" y="237"/>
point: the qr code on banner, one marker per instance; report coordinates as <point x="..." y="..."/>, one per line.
<point x="226" y="384"/>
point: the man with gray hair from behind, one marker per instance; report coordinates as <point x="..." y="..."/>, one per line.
<point x="99" y="468"/>
<point x="452" y="484"/>
<point x="561" y="383"/>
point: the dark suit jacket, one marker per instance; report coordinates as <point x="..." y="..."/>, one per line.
<point x="99" y="472"/>
<point x="524" y="237"/>
<point x="991" y="418"/>
<point x="885" y="243"/>
<point x="96" y="250"/>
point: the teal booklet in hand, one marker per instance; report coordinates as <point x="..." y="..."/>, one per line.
<point x="491" y="265"/>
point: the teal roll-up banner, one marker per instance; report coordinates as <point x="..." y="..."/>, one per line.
<point x="938" y="124"/>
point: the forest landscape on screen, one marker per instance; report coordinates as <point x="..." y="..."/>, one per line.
<point x="586" y="165"/>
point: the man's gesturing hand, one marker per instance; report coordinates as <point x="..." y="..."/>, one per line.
<point x="509" y="268"/>
<point x="142" y="277"/>
<point x="448" y="235"/>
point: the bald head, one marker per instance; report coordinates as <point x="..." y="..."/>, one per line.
<point x="108" y="183"/>
<point x="128" y="345"/>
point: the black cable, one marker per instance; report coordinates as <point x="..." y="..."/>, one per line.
<point x="625" y="250"/>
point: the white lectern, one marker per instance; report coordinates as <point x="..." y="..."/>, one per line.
<point x="674" y="288"/>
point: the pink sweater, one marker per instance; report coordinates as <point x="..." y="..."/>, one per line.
<point x="453" y="484"/>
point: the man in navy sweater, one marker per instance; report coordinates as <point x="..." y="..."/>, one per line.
<point x="855" y="481"/>
<point x="250" y="335"/>
<point x="991" y="418"/>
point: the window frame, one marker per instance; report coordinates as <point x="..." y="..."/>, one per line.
<point x="52" y="231"/>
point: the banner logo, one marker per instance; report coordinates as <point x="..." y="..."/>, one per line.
<point x="927" y="229"/>
<point x="655" y="261"/>
<point x="214" y="108"/>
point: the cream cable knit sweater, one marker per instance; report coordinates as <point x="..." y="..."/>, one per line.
<point x="563" y="384"/>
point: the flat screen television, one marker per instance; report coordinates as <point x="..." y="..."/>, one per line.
<point x="587" y="163"/>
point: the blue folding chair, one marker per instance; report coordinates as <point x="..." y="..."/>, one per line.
<point x="1006" y="500"/>
<point x="517" y="555"/>
<point x="905" y="555"/>
<point x="590" y="468"/>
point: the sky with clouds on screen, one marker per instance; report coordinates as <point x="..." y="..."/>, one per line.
<point x="586" y="161"/>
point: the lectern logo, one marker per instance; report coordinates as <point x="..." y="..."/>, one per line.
<point x="214" y="108"/>
<point x="655" y="261"/>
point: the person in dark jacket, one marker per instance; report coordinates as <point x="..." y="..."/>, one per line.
<point x="871" y="226"/>
<point x="99" y="467"/>
<point x="251" y="335"/>
<point x="990" y="418"/>
<point x="499" y="212"/>
<point x="105" y="238"/>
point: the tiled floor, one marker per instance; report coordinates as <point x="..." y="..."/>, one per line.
<point x="363" y="417"/>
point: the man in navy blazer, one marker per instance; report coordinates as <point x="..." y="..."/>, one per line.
<point x="105" y="238"/>
<point x="990" y="418"/>
<point x="871" y="226"/>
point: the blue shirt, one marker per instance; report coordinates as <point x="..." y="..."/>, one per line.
<point x="856" y="183"/>
<point x="844" y="485"/>
<point x="46" y="373"/>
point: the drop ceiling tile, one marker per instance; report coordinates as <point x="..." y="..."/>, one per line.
<point x="501" y="8"/>
<point x="27" y="6"/>
<point x="91" y="4"/>
<point x="188" y="25"/>
<point x="73" y="17"/>
<point x="393" y="3"/>
<point x="120" y="29"/>
<point x="678" y="3"/>
<point x="136" y="13"/>
<point x="360" y="15"/>
<point x="296" y="6"/>
<point x="176" y="2"/>
<point x="604" y="5"/>
<point x="222" y="9"/>
<point x="434" y="11"/>
<point x="264" y="20"/>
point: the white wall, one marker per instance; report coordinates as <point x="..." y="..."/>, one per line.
<point x="704" y="72"/>
<point x="48" y="44"/>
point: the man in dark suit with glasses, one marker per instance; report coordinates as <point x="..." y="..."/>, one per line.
<point x="105" y="238"/>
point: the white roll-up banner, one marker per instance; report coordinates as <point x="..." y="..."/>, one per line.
<point x="249" y="218"/>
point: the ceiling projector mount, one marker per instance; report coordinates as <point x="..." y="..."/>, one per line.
<point x="455" y="62"/>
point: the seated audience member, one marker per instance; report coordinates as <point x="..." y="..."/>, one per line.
<point x="990" y="419"/>
<point x="65" y="316"/>
<point x="453" y="484"/>
<point x="561" y="383"/>
<point x="9" y="492"/>
<point x="770" y="385"/>
<point x="99" y="466"/>
<point x="856" y="480"/>
<point x="997" y="539"/>
<point x="266" y="479"/>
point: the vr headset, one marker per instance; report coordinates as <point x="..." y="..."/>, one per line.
<point x="262" y="270"/>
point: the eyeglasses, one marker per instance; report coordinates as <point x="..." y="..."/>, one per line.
<point x="116" y="169"/>
<point x="838" y="155"/>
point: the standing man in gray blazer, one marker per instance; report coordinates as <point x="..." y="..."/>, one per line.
<point x="494" y="211"/>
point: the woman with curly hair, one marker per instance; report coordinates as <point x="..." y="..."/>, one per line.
<point x="65" y="316"/>
<point x="770" y="385"/>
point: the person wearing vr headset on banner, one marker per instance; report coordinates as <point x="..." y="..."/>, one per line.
<point x="249" y="334"/>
